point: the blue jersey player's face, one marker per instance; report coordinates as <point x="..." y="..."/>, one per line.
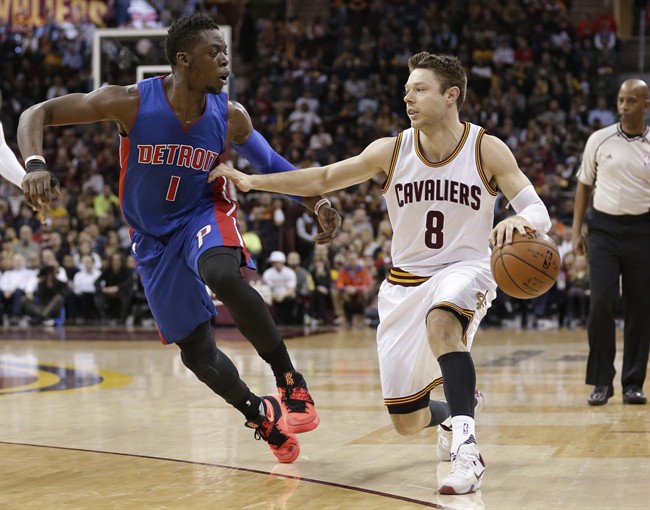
<point x="209" y="63"/>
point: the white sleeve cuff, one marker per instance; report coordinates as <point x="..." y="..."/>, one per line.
<point x="530" y="207"/>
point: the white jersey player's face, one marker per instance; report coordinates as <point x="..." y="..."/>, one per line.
<point x="426" y="104"/>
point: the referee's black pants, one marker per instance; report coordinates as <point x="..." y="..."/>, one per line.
<point x="619" y="246"/>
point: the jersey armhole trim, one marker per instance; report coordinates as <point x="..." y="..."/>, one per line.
<point x="393" y="163"/>
<point x="479" y="165"/>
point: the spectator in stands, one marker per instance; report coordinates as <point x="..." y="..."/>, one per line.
<point x="320" y="299"/>
<point x="304" y="287"/>
<point x="48" y="259"/>
<point x="577" y="289"/>
<point x="306" y="229"/>
<point x="83" y="288"/>
<point x="26" y="243"/>
<point x="15" y="284"/>
<point x="302" y="120"/>
<point x="282" y="282"/>
<point x="85" y="248"/>
<point x="605" y="38"/>
<point x="601" y="114"/>
<point x="48" y="300"/>
<point x="104" y="199"/>
<point x="113" y="291"/>
<point x="356" y="286"/>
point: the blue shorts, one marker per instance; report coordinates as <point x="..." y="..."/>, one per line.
<point x="168" y="266"/>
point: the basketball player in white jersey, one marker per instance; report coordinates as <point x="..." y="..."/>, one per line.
<point x="10" y="168"/>
<point x="441" y="182"/>
<point x="13" y="171"/>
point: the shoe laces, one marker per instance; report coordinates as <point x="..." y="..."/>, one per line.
<point x="266" y="430"/>
<point x="464" y="459"/>
<point x="296" y="397"/>
<point x="462" y="462"/>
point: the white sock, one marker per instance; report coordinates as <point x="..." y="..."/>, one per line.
<point x="262" y="407"/>
<point x="462" y="427"/>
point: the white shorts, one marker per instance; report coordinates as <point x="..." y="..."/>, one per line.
<point x="407" y="366"/>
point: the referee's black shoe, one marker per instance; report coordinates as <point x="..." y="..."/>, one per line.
<point x="634" y="396"/>
<point x="600" y="395"/>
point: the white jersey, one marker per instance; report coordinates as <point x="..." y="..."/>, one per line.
<point x="618" y="166"/>
<point x="441" y="212"/>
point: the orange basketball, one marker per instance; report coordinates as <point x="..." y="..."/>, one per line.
<point x="527" y="267"/>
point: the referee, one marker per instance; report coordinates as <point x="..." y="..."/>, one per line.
<point x="616" y="167"/>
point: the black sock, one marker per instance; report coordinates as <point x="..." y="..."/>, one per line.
<point x="249" y="406"/>
<point x="459" y="381"/>
<point x="279" y="360"/>
<point x="439" y="412"/>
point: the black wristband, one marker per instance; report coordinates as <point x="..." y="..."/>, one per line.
<point x="36" y="165"/>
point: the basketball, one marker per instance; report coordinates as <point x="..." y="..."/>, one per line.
<point x="527" y="267"/>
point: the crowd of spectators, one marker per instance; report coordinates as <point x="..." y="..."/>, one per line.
<point x="319" y="91"/>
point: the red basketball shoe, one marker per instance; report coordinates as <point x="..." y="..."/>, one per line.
<point x="273" y="429"/>
<point x="301" y="415"/>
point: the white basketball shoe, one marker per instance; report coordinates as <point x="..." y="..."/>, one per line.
<point x="444" y="429"/>
<point x="467" y="468"/>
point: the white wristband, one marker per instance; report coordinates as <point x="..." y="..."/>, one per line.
<point x="321" y="203"/>
<point x="530" y="207"/>
<point x="31" y="158"/>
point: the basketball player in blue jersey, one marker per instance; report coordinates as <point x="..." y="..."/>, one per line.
<point x="173" y="130"/>
<point x="441" y="182"/>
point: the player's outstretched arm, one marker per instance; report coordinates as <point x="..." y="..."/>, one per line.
<point x="308" y="182"/>
<point x="254" y="147"/>
<point x="108" y="103"/>
<point x="531" y="213"/>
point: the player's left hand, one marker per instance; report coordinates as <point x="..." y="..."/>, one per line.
<point x="38" y="188"/>
<point x="502" y="233"/>
<point x="330" y="222"/>
<point x="239" y="179"/>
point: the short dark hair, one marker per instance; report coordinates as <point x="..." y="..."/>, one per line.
<point x="448" y="69"/>
<point x="183" y="34"/>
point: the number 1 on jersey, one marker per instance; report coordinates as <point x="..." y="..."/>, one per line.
<point x="173" y="188"/>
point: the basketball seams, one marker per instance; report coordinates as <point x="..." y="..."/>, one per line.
<point x="523" y="261"/>
<point x="520" y="271"/>
<point x="512" y="280"/>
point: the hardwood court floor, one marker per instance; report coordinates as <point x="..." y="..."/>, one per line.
<point x="108" y="419"/>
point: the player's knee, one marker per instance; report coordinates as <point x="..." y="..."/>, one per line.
<point x="198" y="345"/>
<point x="223" y="279"/>
<point x="411" y="417"/>
<point x="406" y="424"/>
<point x="445" y="331"/>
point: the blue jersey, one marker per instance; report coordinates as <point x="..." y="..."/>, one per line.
<point x="165" y="165"/>
<point x="175" y="214"/>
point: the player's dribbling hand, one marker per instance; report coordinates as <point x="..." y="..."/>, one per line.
<point x="238" y="178"/>
<point x="330" y="222"/>
<point x="502" y="233"/>
<point x="38" y="188"/>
